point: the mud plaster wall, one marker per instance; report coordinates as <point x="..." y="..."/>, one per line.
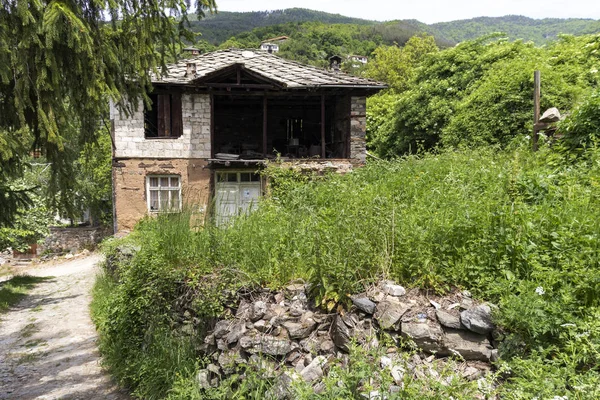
<point x="130" y="186"/>
<point x="358" y="129"/>
<point x="193" y="143"/>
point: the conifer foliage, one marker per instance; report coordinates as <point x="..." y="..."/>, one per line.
<point x="60" y="61"/>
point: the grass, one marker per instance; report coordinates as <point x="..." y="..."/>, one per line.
<point x="15" y="289"/>
<point x="501" y="224"/>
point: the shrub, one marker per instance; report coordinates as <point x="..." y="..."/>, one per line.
<point x="516" y="228"/>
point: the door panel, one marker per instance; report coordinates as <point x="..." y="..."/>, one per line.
<point x="234" y="197"/>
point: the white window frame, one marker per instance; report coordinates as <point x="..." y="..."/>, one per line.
<point x="160" y="188"/>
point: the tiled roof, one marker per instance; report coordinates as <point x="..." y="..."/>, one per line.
<point x="289" y="74"/>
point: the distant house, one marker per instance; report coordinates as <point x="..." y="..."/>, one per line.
<point x="272" y="45"/>
<point x="215" y="120"/>
<point x="191" y="51"/>
<point x="358" y="59"/>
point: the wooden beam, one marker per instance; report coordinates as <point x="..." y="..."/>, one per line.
<point x="537" y="92"/>
<point x="323" y="126"/>
<point x="264" y="126"/>
<point x="240" y="86"/>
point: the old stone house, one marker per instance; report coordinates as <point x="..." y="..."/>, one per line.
<point x="214" y="120"/>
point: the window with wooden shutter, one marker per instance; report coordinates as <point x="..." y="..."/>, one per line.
<point x="164" y="118"/>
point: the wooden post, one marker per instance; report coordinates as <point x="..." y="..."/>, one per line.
<point x="265" y="126"/>
<point x="322" y="126"/>
<point x="537" y="85"/>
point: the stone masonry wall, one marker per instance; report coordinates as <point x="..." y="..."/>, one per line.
<point x="193" y="143"/>
<point x="290" y="339"/>
<point x="73" y="239"/>
<point x="130" y="186"/>
<point x="358" y="129"/>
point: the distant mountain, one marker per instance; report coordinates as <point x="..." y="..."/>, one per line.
<point x="539" y="31"/>
<point x="219" y="27"/>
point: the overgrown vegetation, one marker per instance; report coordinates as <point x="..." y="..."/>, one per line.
<point x="478" y="93"/>
<point x="516" y="228"/>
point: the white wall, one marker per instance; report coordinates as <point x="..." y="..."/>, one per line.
<point x="193" y="143"/>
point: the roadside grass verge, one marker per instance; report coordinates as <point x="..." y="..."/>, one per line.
<point x="15" y="289"/>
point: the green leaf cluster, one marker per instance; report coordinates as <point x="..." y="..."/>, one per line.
<point x="480" y="93"/>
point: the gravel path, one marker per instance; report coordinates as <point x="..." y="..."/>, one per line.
<point x="48" y="341"/>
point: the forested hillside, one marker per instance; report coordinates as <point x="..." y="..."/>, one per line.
<point x="218" y="28"/>
<point x="539" y="31"/>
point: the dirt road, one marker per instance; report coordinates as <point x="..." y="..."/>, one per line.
<point x="48" y="342"/>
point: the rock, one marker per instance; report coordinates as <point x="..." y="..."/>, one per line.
<point x="398" y="374"/>
<point x="258" y="310"/>
<point x="550" y="115"/>
<point x="377" y="296"/>
<point x="314" y="370"/>
<point x="296" y="288"/>
<point x="244" y="310"/>
<point x="478" y="319"/>
<point x="472" y="373"/>
<point x="210" y="340"/>
<point x="327" y="346"/>
<point x="221" y="329"/>
<point x="68" y="256"/>
<point x="266" y="344"/>
<point x="393" y="289"/>
<point x="297" y="309"/>
<point x="281" y="389"/>
<point x="385" y="362"/>
<point x="426" y="336"/>
<point x="435" y="304"/>
<point x="261" y="325"/>
<point x="275" y="311"/>
<point x="469" y="345"/>
<point x="279" y="297"/>
<point x="203" y="379"/>
<point x="448" y="320"/>
<point x="222" y="344"/>
<point x="494" y="356"/>
<point x="466" y="303"/>
<point x="214" y="369"/>
<point x="388" y="313"/>
<point x="310" y="345"/>
<point x="364" y="304"/>
<point x="230" y="360"/>
<point x="341" y="333"/>
<point x="236" y="332"/>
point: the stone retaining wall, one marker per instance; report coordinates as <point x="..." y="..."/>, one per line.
<point x="73" y="240"/>
<point x="295" y="340"/>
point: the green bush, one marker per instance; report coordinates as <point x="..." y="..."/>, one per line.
<point x="515" y="228"/>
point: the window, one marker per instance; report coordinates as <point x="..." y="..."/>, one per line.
<point x="235" y="177"/>
<point x="163" y="120"/>
<point x="164" y="193"/>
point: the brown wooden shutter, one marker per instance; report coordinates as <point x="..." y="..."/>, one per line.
<point x="176" y="118"/>
<point x="164" y="115"/>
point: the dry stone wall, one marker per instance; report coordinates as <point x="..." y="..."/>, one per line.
<point x="296" y="341"/>
<point x="64" y="240"/>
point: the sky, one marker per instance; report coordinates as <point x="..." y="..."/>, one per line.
<point x="428" y="11"/>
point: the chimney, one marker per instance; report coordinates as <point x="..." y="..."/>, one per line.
<point x="334" y="63"/>
<point x="190" y="69"/>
